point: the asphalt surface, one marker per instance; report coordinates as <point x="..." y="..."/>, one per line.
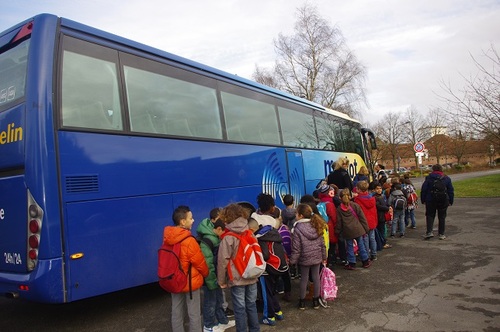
<point x="420" y="285"/>
<point x="417" y="285"/>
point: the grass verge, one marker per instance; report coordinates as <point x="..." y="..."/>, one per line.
<point x="485" y="186"/>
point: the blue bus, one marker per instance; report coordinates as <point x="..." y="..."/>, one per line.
<point x="101" y="138"/>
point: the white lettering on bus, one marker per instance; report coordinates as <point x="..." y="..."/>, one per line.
<point x="2" y="214"/>
<point x="12" y="134"/>
<point x="12" y="258"/>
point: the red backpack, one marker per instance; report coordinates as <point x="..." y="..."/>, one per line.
<point x="171" y="276"/>
<point x="249" y="261"/>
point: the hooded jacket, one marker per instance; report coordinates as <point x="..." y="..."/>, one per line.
<point x="425" y="193"/>
<point x="395" y="193"/>
<point x="382" y="208"/>
<point x="350" y="225"/>
<point x="190" y="253"/>
<point x="268" y="234"/>
<point x="369" y="206"/>
<point x="227" y="251"/>
<point x="331" y="212"/>
<point x="205" y="231"/>
<point x="308" y="248"/>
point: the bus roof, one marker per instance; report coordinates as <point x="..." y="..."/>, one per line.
<point x="70" y="24"/>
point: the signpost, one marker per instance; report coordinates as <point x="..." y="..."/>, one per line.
<point x="419" y="148"/>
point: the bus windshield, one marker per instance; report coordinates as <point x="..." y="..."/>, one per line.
<point x="13" y="65"/>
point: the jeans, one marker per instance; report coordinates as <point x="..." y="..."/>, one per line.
<point x="351" y="257"/>
<point x="370" y="242"/>
<point x="179" y="302"/>
<point x="213" y="312"/>
<point x="410" y="215"/>
<point x="398" y="221"/>
<point x="430" y="214"/>
<point x="245" y="308"/>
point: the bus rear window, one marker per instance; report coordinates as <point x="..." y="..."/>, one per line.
<point x="13" y="64"/>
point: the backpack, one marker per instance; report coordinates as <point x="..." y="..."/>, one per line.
<point x="328" y="284"/>
<point x="171" y="276"/>
<point x="399" y="203"/>
<point x="439" y="192"/>
<point x="249" y="261"/>
<point x="412" y="198"/>
<point x="322" y="210"/>
<point x="278" y="260"/>
<point x="411" y="195"/>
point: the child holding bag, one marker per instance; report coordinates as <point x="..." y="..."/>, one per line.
<point x="352" y="225"/>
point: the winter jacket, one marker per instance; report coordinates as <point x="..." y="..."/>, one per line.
<point x="360" y="177"/>
<point x="286" y="238"/>
<point x="340" y="177"/>
<point x="331" y="212"/>
<point x="350" y="225"/>
<point x="407" y="189"/>
<point x="265" y="219"/>
<point x="394" y="194"/>
<point x="308" y="248"/>
<point x="228" y="248"/>
<point x="268" y="234"/>
<point x="369" y="206"/>
<point x="190" y="253"/>
<point x="425" y="193"/>
<point x="205" y="231"/>
<point x="382" y="208"/>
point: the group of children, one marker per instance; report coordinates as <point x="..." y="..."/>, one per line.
<point x="326" y="228"/>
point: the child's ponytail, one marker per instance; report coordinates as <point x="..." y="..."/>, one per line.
<point x="345" y="196"/>
<point x="316" y="221"/>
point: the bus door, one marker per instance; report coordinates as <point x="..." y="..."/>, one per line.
<point x="295" y="169"/>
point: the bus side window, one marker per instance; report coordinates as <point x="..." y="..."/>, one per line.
<point x="87" y="116"/>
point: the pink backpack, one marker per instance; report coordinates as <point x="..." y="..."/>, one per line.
<point x="328" y="287"/>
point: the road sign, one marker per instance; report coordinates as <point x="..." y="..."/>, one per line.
<point x="419" y="147"/>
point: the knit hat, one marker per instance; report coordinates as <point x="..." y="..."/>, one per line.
<point x="325" y="188"/>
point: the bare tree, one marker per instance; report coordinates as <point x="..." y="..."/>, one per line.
<point x="478" y="103"/>
<point x="460" y="141"/>
<point x="391" y="136"/>
<point x="436" y="123"/>
<point x="413" y="127"/>
<point x="316" y="64"/>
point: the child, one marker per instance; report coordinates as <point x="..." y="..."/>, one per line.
<point x="243" y="291"/>
<point x="382" y="209"/>
<point x="408" y="188"/>
<point x="325" y="196"/>
<point x="269" y="236"/>
<point x="192" y="258"/>
<point x="361" y="176"/>
<point x="288" y="214"/>
<point x="265" y="215"/>
<point x="285" y="282"/>
<point x="352" y="224"/>
<point x="398" y="219"/>
<point x="213" y="216"/>
<point x="369" y="207"/>
<point x="214" y="317"/>
<point x="308" y="250"/>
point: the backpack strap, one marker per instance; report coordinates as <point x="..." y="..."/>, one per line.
<point x="238" y="236"/>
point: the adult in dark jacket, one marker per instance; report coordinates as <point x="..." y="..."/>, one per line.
<point x="435" y="202"/>
<point x="340" y="177"/>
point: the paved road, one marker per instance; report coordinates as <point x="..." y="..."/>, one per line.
<point x="450" y="285"/>
<point x="417" y="182"/>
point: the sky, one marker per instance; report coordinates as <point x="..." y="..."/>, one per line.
<point x="409" y="48"/>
